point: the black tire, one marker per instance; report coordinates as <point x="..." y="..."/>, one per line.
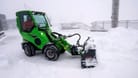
<point x="28" y="49"/>
<point x="51" y="52"/>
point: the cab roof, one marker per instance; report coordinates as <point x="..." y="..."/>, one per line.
<point x="27" y="11"/>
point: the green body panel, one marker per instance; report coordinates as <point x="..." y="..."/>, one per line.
<point x="35" y="34"/>
<point x="46" y="36"/>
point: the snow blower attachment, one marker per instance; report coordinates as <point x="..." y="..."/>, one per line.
<point x="87" y="52"/>
<point x="35" y="30"/>
<point x="88" y="58"/>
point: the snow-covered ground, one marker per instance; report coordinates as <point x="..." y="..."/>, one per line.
<point x="117" y="53"/>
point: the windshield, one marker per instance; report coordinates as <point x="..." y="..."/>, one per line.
<point x="40" y="20"/>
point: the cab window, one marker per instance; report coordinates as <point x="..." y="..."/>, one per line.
<point x="27" y="23"/>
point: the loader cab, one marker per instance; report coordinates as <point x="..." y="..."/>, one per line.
<point x="31" y="19"/>
<point x="33" y="27"/>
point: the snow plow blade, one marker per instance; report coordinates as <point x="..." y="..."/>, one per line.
<point x="88" y="59"/>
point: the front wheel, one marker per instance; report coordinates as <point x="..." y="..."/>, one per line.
<point x="51" y="52"/>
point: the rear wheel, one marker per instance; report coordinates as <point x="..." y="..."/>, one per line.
<point x="28" y="49"/>
<point x="51" y="52"/>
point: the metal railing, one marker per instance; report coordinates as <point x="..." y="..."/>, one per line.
<point x="106" y="25"/>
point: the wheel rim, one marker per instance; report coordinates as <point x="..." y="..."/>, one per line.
<point x="50" y="54"/>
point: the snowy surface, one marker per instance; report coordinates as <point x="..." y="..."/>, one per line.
<point x="117" y="53"/>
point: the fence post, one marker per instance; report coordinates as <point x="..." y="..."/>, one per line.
<point x="115" y="13"/>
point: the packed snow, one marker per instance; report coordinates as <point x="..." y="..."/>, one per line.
<point x="117" y="53"/>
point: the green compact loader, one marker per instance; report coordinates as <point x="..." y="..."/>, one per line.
<point x="34" y="28"/>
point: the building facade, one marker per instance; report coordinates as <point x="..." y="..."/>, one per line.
<point x="3" y="22"/>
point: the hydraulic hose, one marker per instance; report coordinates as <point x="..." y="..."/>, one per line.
<point x="57" y="33"/>
<point x="78" y="41"/>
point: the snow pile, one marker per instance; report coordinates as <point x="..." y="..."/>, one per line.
<point x="117" y="52"/>
<point x="117" y="49"/>
<point x="121" y="38"/>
